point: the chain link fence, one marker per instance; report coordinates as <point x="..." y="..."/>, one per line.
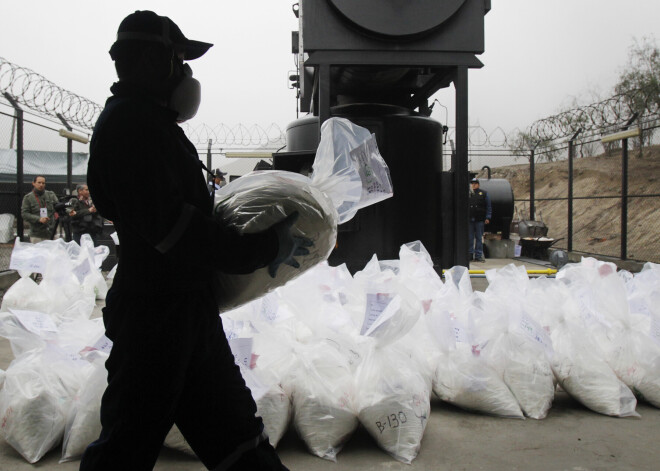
<point x="579" y="191"/>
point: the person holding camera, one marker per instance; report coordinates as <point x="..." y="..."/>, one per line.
<point x="85" y="219"/>
<point x="170" y="361"/>
<point x="38" y="209"/>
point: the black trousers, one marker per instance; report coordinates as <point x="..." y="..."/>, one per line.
<point x="171" y="363"/>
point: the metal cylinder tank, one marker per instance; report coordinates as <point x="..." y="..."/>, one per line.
<point x="411" y="145"/>
<point x="501" y="200"/>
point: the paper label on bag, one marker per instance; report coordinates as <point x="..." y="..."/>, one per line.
<point x="82" y="270"/>
<point x="374" y="178"/>
<point x="461" y="334"/>
<point x="36" y="322"/>
<point x="380" y="308"/>
<point x="655" y="328"/>
<point x="232" y="328"/>
<point x="28" y="261"/>
<point x="535" y="332"/>
<point x="103" y="344"/>
<point x="242" y="350"/>
<point x="269" y="308"/>
<point x="72" y="357"/>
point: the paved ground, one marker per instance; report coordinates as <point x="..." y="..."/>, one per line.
<point x="570" y="438"/>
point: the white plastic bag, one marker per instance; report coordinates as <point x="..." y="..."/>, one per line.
<point x="349" y="168"/>
<point x="25" y="295"/>
<point x="324" y="400"/>
<point x="461" y="375"/>
<point x="577" y="362"/>
<point x="26" y="330"/>
<point x="258" y="200"/>
<point x="393" y="401"/>
<point x="83" y="424"/>
<point x="584" y="375"/>
<point x="275" y="409"/>
<point x="34" y="401"/>
<point x="602" y="296"/>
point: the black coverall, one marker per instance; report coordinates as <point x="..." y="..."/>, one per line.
<point x="170" y="361"/>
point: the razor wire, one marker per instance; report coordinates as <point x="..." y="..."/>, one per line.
<point x="43" y="96"/>
<point x="610" y="113"/>
<point x="478" y="136"/>
<point x="240" y="136"/>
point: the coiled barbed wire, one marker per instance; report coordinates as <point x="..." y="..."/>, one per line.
<point x="43" y="96"/>
<point x="478" y="136"/>
<point x="596" y="117"/>
<point x="46" y="98"/>
<point x="240" y="135"/>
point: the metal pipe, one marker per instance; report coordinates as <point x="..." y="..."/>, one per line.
<point x="547" y="271"/>
<point x="69" y="155"/>
<point x="461" y="212"/>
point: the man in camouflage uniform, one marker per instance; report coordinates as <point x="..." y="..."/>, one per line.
<point x="38" y="209"/>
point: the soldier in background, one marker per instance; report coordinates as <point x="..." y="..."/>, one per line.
<point x="38" y="209"/>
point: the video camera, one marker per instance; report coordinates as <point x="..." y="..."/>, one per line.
<point x="63" y="203"/>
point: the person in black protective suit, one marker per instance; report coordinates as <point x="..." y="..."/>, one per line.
<point x="170" y="362"/>
<point x="480" y="213"/>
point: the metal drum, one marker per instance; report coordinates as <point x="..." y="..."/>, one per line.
<point x="501" y="200"/>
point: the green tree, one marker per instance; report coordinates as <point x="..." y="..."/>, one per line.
<point x="521" y="144"/>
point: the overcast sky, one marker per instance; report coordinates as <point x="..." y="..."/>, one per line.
<point x="539" y="54"/>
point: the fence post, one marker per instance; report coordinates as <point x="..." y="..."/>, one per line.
<point x="208" y="160"/>
<point x="69" y="156"/>
<point x="532" y="189"/>
<point x="624" y="199"/>
<point x="19" y="164"/>
<point x="624" y="187"/>
<point x="571" y="156"/>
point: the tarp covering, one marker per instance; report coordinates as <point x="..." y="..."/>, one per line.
<point x="39" y="162"/>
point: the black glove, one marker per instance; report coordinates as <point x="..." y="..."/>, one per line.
<point x="289" y="245"/>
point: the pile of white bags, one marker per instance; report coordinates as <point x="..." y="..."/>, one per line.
<point x="44" y="378"/>
<point x="48" y="326"/>
<point x="329" y="350"/>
